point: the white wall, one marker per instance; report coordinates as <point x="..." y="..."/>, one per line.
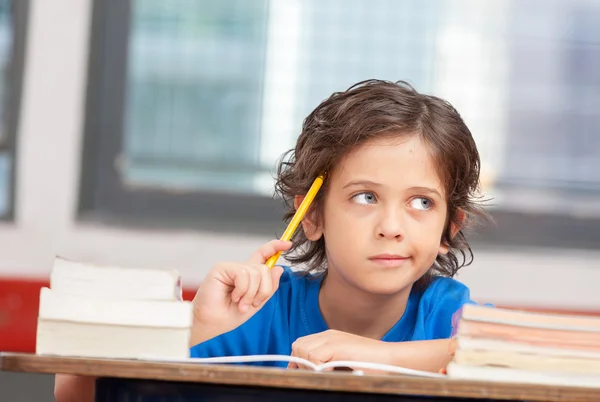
<point x="49" y="148"/>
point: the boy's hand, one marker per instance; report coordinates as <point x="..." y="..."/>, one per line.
<point x="334" y="345"/>
<point x="233" y="292"/>
<point x="331" y="345"/>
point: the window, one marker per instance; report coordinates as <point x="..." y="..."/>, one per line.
<point x="183" y="115"/>
<point x="13" y="15"/>
<point x="553" y="129"/>
<point x="191" y="102"/>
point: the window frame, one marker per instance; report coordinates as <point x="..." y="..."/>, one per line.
<point x="104" y="198"/>
<point x="14" y="78"/>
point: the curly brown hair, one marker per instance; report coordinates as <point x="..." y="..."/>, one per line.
<point x="375" y="109"/>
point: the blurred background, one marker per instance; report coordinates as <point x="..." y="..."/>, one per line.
<point x="145" y="133"/>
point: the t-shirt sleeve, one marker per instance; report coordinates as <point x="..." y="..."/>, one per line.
<point x="250" y="338"/>
<point x="444" y="297"/>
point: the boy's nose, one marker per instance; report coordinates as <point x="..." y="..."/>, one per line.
<point x="390" y="226"/>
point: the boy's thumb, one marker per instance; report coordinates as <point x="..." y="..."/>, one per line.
<point x="276" y="273"/>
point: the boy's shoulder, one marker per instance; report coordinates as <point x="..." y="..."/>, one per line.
<point x="288" y="275"/>
<point x="295" y="278"/>
<point x="297" y="286"/>
<point x="436" y="306"/>
<point x="444" y="284"/>
<point x="445" y="293"/>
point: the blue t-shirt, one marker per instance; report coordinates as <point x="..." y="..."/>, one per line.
<point x="293" y="312"/>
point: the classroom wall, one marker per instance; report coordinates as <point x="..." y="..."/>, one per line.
<point x="50" y="139"/>
<point x="48" y="170"/>
<point x="49" y="150"/>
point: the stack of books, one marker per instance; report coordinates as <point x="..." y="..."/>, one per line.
<point x="494" y="344"/>
<point x="111" y="312"/>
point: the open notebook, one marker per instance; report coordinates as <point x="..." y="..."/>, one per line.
<point x="355" y="366"/>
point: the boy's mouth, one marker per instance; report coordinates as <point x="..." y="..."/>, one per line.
<point x="389" y="260"/>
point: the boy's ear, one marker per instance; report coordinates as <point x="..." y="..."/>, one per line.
<point x="455" y="226"/>
<point x="312" y="229"/>
<point x="458" y="223"/>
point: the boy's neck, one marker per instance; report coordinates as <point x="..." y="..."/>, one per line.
<point x="349" y="309"/>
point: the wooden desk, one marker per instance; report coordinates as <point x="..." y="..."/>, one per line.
<point x="144" y="381"/>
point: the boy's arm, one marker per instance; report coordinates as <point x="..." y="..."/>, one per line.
<point x="73" y="388"/>
<point x="330" y="345"/>
<point x="433" y="355"/>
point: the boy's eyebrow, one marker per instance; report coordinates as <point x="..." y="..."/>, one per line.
<point x="355" y="183"/>
<point x="426" y="190"/>
<point x="369" y="183"/>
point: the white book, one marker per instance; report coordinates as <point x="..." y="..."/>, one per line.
<point x="64" y="338"/>
<point x="55" y="306"/>
<point x="516" y="376"/>
<point x="112" y="282"/>
<point x="74" y="325"/>
<point x="526" y="361"/>
<point x="465" y="343"/>
<point x="528" y="319"/>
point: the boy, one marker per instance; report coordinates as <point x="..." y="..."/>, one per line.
<point x="377" y="249"/>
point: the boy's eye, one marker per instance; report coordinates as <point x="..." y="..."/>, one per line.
<point x="421" y="203"/>
<point x="365" y="198"/>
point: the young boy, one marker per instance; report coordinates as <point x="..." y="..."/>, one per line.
<point x="377" y="249"/>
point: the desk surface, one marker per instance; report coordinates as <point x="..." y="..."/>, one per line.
<point x="280" y="378"/>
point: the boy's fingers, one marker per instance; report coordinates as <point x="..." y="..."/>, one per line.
<point x="241" y="281"/>
<point x="268" y="250"/>
<point x="253" y="283"/>
<point x="265" y="288"/>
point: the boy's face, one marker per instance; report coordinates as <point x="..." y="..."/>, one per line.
<point x="383" y="215"/>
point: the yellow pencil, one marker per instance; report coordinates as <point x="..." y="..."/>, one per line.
<point x="298" y="216"/>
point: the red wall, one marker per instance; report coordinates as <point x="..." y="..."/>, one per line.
<point x="19" y="299"/>
<point x="18" y="313"/>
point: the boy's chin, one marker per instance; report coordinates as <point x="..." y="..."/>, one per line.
<point x="388" y="284"/>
